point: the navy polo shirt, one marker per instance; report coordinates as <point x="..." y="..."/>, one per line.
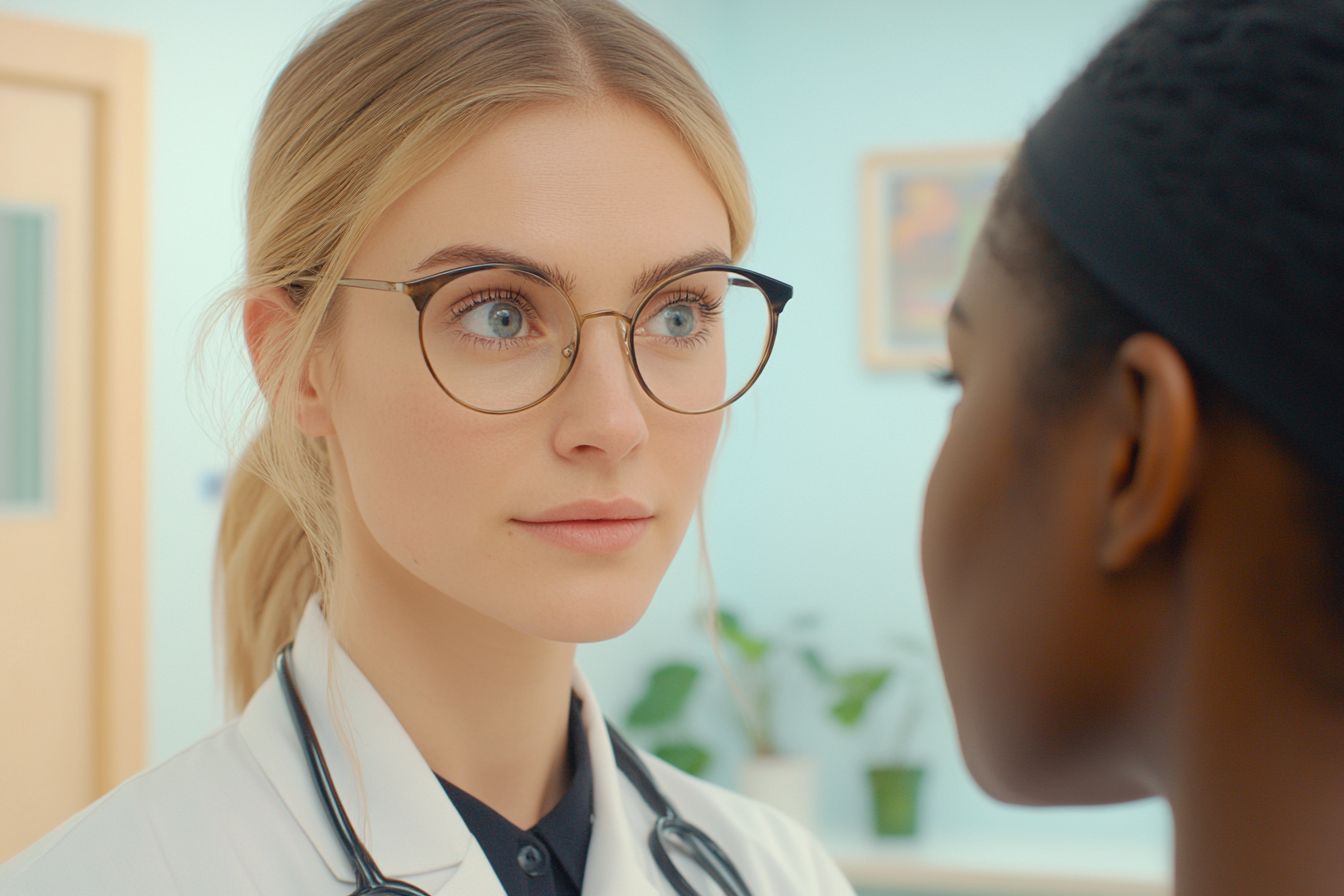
<point x="548" y="859"/>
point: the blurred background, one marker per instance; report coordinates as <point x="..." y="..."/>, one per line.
<point x="812" y="515"/>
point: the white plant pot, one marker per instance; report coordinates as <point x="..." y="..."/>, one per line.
<point x="789" y="783"/>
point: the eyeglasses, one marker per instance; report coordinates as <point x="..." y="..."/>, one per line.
<point x="501" y="338"/>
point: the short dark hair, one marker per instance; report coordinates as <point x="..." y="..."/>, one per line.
<point x="1087" y="323"/>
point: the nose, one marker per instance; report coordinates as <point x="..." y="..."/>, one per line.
<point x="600" y="401"/>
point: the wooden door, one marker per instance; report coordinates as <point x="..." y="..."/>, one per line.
<point x="71" y="422"/>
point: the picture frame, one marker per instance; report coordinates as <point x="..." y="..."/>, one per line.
<point x="921" y="212"/>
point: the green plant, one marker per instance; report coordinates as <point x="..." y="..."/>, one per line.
<point x="754" y="685"/>
<point x="660" y="710"/>
<point x="753" y="688"/>
<point x="854" y="689"/>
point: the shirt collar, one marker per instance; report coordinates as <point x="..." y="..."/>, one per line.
<point x="565" y="831"/>
<point x="568" y="828"/>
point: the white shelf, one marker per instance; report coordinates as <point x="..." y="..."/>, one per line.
<point x="881" y="873"/>
<point x="1000" y="868"/>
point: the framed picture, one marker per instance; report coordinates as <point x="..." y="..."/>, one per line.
<point x="921" y="214"/>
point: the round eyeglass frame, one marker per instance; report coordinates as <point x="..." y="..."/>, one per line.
<point x="420" y="291"/>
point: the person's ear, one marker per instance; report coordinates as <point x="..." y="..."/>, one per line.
<point x="268" y="319"/>
<point x="1152" y="468"/>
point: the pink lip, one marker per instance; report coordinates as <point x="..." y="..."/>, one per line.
<point x="591" y="527"/>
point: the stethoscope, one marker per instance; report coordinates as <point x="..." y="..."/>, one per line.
<point x="669" y="828"/>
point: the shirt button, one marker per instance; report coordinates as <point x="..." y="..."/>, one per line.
<point x="531" y="860"/>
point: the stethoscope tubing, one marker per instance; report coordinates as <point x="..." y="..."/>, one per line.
<point x="668" y="828"/>
<point x="671" y="827"/>
<point x="369" y="879"/>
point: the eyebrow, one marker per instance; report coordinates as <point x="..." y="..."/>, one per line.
<point x="650" y="277"/>
<point x="466" y="254"/>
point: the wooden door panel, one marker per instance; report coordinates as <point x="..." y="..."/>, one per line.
<point x="46" y="546"/>
<point x="72" y="683"/>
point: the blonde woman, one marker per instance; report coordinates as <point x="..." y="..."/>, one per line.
<point x="491" y="307"/>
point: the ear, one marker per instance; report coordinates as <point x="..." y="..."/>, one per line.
<point x="1152" y="469"/>
<point x="268" y="315"/>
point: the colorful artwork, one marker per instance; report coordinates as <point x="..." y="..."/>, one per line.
<point x="922" y="213"/>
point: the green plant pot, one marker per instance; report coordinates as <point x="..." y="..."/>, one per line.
<point x="895" y="799"/>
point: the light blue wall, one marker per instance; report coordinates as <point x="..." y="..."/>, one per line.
<point x="815" y="500"/>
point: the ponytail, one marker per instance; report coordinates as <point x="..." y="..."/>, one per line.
<point x="266" y="574"/>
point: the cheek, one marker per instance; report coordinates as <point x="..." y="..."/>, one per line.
<point x="960" y="542"/>
<point x="1039" y="660"/>
<point x="967" y="514"/>
<point x="420" y="466"/>
<point x="993" y="556"/>
<point x="963" y="478"/>
<point x="681" y="448"/>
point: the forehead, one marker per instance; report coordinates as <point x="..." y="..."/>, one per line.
<point x="599" y="186"/>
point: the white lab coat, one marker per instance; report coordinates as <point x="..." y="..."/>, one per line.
<point x="237" y="814"/>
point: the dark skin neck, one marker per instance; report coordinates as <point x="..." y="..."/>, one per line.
<point x="1255" y="774"/>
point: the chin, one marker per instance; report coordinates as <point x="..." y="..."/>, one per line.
<point x="584" y="612"/>
<point x="1043" y="774"/>
<point x="1002" y="779"/>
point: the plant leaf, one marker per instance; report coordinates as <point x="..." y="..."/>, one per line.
<point x="753" y="649"/>
<point x="856" y="689"/>
<point x="669" y="686"/>
<point x="689" y="757"/>
<point x="813" y="661"/>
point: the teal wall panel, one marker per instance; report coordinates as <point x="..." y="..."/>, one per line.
<point x="24" y="301"/>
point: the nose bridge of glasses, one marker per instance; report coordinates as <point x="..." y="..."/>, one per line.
<point x="623" y="325"/>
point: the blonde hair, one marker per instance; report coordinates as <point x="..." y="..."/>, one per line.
<point x="372" y="104"/>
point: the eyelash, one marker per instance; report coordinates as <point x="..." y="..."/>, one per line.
<point x="690" y="298"/>
<point x="945" y="376"/>
<point x="476" y="300"/>
<point x="710" y="310"/>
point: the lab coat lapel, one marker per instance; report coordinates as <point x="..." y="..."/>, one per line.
<point x="619" y="863"/>
<point x="474" y="877"/>
<point x="408" y="824"/>
<point x="395" y="803"/>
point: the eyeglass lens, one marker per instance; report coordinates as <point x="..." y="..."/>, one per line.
<point x="500" y="339"/>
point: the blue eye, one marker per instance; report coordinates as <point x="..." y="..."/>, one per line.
<point x="496" y="320"/>
<point x="675" y="320"/>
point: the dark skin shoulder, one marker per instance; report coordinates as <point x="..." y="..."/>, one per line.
<point x="1127" y="595"/>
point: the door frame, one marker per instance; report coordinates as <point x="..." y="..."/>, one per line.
<point x="112" y="69"/>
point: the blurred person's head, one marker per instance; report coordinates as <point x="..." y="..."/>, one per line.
<point x="1136" y="520"/>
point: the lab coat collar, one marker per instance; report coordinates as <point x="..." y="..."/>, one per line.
<point x="618" y="863"/>
<point x="395" y="802"/>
